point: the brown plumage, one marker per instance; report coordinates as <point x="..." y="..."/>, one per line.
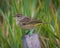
<point x="25" y="22"/>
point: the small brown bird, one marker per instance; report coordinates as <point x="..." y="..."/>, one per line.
<point x="26" y="22"/>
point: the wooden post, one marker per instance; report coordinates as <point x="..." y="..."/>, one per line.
<point x="31" y="41"/>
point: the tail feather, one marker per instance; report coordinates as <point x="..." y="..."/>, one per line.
<point x="37" y="22"/>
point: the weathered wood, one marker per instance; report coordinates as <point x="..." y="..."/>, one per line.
<point x="31" y="41"/>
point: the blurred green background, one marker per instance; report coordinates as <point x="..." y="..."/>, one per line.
<point x="43" y="10"/>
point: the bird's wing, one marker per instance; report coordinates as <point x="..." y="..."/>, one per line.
<point x="34" y="22"/>
<point x="25" y="20"/>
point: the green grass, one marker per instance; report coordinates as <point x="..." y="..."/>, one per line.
<point x="43" y="10"/>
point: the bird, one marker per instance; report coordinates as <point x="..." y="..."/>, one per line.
<point x="25" y="22"/>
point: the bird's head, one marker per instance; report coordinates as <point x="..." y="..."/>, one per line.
<point x="18" y="17"/>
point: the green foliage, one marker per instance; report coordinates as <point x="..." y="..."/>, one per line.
<point x="43" y="10"/>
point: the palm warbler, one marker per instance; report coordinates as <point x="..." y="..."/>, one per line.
<point x="26" y="22"/>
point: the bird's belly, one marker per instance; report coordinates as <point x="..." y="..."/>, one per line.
<point x="27" y="26"/>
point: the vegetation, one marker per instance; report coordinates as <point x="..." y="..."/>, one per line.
<point x="44" y="10"/>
